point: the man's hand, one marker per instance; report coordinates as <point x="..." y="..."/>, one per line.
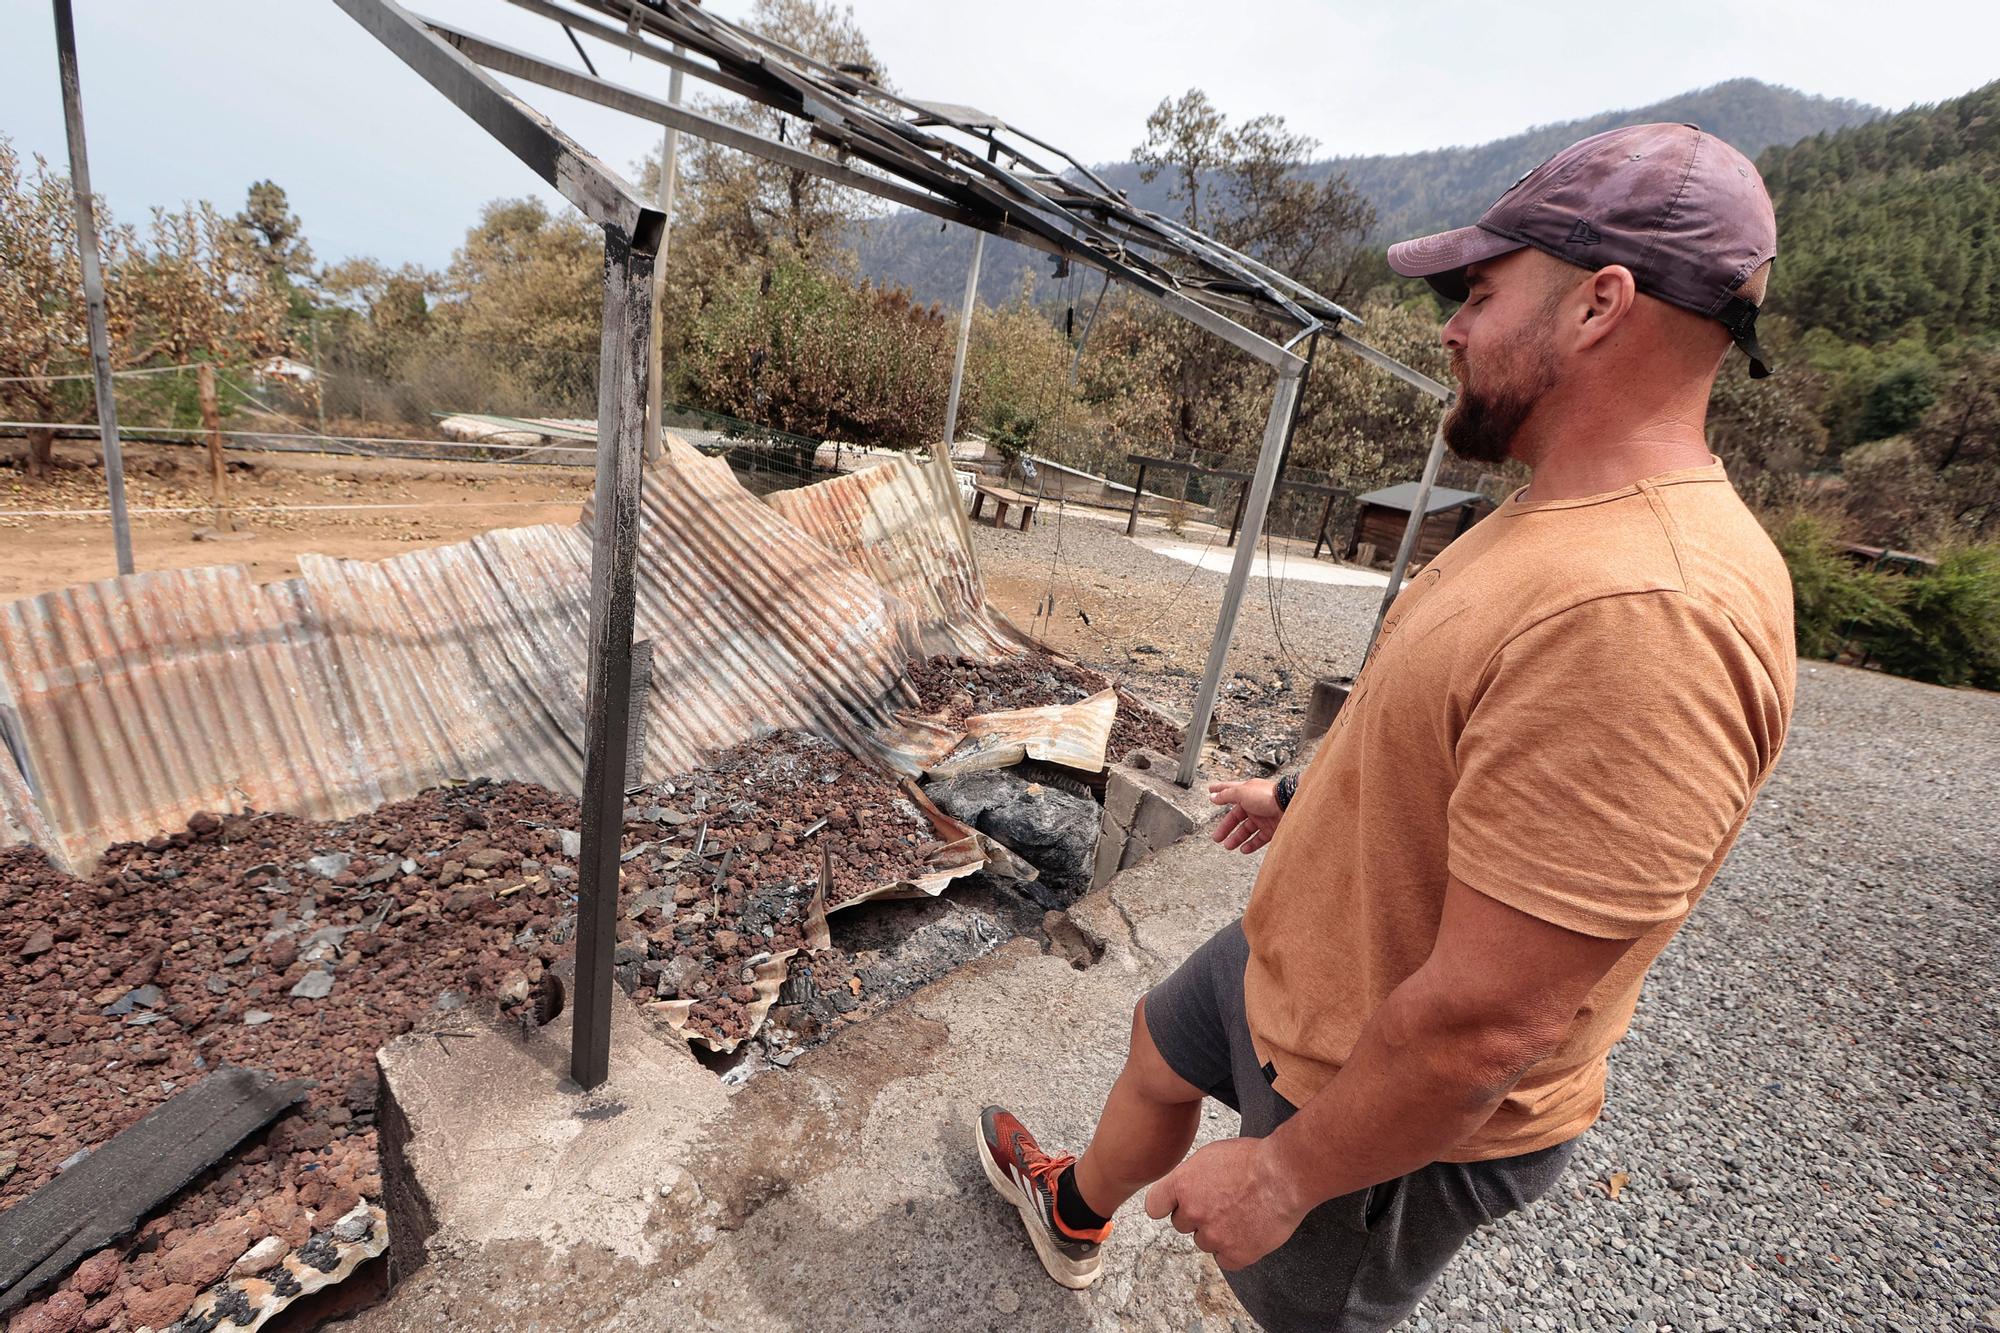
<point x="1252" y="820"/>
<point x="1231" y="1198"/>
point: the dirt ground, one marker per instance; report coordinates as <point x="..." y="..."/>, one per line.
<point x="439" y="503"/>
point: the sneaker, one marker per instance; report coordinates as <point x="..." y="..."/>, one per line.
<point x="1026" y="1178"/>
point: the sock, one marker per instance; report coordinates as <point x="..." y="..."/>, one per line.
<point x="1071" y="1210"/>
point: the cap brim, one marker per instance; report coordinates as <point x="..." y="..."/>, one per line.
<point x="1441" y="260"/>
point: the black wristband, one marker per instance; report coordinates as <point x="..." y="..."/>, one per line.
<point x="1288" y="785"/>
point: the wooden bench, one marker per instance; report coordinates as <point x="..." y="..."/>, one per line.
<point x="1002" y="498"/>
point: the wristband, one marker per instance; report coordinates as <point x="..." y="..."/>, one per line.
<point x="1288" y="785"/>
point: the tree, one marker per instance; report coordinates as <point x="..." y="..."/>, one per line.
<point x="750" y="206"/>
<point x="527" y="290"/>
<point x="193" y="288"/>
<point x="275" y="231"/>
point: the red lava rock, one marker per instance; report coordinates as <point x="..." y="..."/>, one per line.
<point x="282" y="954"/>
<point x="159" y="1308"/>
<point x="203" y="824"/>
<point x="39" y="943"/>
<point x="103" y="1313"/>
<point x="338" y="1203"/>
<point x="60" y="1313"/>
<point x="200" y="1261"/>
<point x="95" y="1275"/>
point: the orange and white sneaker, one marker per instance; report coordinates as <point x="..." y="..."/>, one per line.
<point x="1026" y="1178"/>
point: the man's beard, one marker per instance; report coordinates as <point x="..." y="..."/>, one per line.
<point x="1482" y="423"/>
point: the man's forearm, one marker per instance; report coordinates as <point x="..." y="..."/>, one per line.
<point x="1414" y="1088"/>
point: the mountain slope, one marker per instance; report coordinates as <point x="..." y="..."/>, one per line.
<point x="1894" y="221"/>
<point x="1412" y="192"/>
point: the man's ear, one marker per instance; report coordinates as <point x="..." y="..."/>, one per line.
<point x="1608" y="296"/>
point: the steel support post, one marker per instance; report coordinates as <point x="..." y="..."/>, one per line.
<point x="964" y="339"/>
<point x="1277" y="430"/>
<point x="1138" y="494"/>
<point x="93" y="283"/>
<point x="624" y="370"/>
<point x="1408" y="545"/>
<point x="670" y="171"/>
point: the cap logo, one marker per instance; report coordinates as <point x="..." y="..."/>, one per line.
<point x="1583" y="234"/>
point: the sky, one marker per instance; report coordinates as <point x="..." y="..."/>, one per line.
<point x="187" y="99"/>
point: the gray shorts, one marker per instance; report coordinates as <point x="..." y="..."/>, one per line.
<point x="1360" y="1262"/>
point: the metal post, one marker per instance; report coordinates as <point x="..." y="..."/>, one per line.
<point x="1410" y="531"/>
<point x="1277" y="429"/>
<point x="211" y="420"/>
<point x="1089" y="323"/>
<point x="670" y="172"/>
<point x="1138" y="494"/>
<point x="964" y="340"/>
<point x="621" y="429"/>
<point x="93" y="283"/>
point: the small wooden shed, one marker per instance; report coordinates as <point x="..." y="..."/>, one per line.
<point x="1382" y="515"/>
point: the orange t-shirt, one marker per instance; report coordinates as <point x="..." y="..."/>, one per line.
<point x="1570" y="709"/>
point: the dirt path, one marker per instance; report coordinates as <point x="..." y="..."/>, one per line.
<point x="443" y="503"/>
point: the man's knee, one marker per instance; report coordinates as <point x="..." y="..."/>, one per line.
<point x="1148" y="1071"/>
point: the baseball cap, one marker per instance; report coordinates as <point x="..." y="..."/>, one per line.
<point x="1684" y="211"/>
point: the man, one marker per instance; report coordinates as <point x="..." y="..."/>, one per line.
<point x="1547" y="756"/>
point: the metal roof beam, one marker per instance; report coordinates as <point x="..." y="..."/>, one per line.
<point x="602" y="194"/>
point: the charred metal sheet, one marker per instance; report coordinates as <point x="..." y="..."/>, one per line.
<point x="1073" y="735"/>
<point x="887" y="523"/>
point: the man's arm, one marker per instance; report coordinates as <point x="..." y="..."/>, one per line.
<point x="1497" y="995"/>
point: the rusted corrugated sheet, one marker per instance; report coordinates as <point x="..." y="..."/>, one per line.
<point x="1073" y="735"/>
<point x="754" y="625"/>
<point x="140" y="700"/>
<point x="889" y="523"/>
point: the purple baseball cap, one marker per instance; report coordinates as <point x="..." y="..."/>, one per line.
<point x="1682" y="209"/>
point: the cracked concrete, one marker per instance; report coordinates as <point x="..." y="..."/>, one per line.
<point x="841" y="1193"/>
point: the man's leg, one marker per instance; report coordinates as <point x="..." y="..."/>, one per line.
<point x="1180" y="1047"/>
<point x="1146" y="1128"/>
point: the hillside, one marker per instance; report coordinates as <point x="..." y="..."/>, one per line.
<point x="1892" y="222"/>
<point x="1411" y="192"/>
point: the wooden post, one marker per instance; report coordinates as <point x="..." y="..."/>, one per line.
<point x="1325" y="517"/>
<point x="211" y="421"/>
<point x="1138" y="494"/>
<point x="1236" y="519"/>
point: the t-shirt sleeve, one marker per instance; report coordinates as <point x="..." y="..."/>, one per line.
<point x="1607" y="755"/>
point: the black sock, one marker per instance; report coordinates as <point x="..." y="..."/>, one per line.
<point x="1073" y="1212"/>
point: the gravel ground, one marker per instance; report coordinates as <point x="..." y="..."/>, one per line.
<point x="1806" y="1111"/>
<point x="1147" y="620"/>
<point x="1804" y="1122"/>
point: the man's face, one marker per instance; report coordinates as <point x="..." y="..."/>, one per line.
<point x="1502" y="354"/>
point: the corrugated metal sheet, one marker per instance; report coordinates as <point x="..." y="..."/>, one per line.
<point x="889" y="523"/>
<point x="140" y="700"/>
<point x="754" y="624"/>
<point x="143" y="699"/>
<point x="137" y="701"/>
<point x="1073" y="735"/>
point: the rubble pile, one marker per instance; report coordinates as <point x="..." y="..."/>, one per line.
<point x="955" y="688"/>
<point x="271" y="942"/>
<point x="723" y="868"/>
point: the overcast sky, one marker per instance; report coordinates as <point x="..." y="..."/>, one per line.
<point x="197" y="98"/>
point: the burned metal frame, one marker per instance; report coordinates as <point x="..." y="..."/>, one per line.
<point x="947" y="161"/>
